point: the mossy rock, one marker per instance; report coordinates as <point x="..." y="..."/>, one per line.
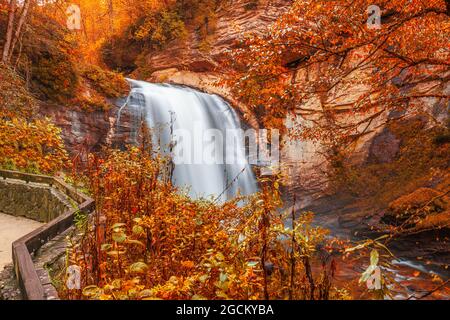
<point x="420" y="203"/>
<point x="107" y="83"/>
<point x="435" y="221"/>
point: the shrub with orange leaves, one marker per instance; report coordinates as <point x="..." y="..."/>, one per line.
<point x="15" y="100"/>
<point x="32" y="146"/>
<point x="148" y="240"/>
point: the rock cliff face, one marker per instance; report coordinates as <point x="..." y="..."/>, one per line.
<point x="184" y="62"/>
<point x="82" y="131"/>
<point x="195" y="62"/>
<point x="200" y="55"/>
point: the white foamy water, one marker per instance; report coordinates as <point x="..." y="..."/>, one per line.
<point x="194" y="113"/>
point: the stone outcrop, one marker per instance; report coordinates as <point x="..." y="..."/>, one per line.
<point x="232" y="19"/>
<point x="424" y="206"/>
<point x="82" y="131"/>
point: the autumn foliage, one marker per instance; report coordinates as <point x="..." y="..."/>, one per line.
<point x="26" y="143"/>
<point x="306" y="63"/>
<point x="149" y="240"/>
<point x="31" y="146"/>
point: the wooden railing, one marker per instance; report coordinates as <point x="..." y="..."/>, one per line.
<point x="27" y="277"/>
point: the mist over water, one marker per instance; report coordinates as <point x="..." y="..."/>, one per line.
<point x="184" y="115"/>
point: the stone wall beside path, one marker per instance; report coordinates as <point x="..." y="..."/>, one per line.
<point x="34" y="201"/>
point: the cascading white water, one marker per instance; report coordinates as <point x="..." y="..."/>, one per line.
<point x="167" y="108"/>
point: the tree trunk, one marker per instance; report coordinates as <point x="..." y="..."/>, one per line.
<point x="22" y="19"/>
<point x="111" y="16"/>
<point x="9" y="30"/>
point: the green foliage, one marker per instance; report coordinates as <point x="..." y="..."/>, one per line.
<point x="202" y="16"/>
<point x="121" y="51"/>
<point x="160" y="28"/>
<point x="109" y="84"/>
<point x="81" y="220"/>
<point x="155" y="29"/>
<point x="49" y="58"/>
<point x="54" y="77"/>
<point x="151" y="32"/>
<point x="26" y="143"/>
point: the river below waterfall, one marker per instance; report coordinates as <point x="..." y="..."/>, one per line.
<point x="420" y="263"/>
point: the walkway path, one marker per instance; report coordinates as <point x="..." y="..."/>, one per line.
<point x="11" y="229"/>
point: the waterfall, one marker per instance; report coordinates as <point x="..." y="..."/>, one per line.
<point x="170" y="110"/>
